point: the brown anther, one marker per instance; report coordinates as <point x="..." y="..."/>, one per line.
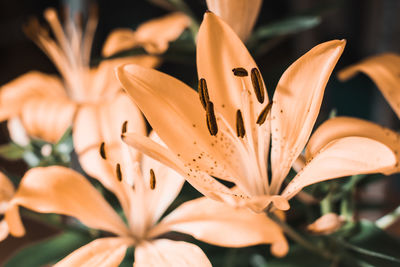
<point x="211" y="120"/>
<point x="258" y="85"/>
<point x="264" y="113"/>
<point x="152" y="180"/>
<point x="203" y="92"/>
<point x="118" y="172"/>
<point x="103" y="151"/>
<point x="240" y="72"/>
<point x="240" y="130"/>
<point x="124" y="127"/>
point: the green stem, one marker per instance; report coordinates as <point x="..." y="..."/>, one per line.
<point x="300" y="239"/>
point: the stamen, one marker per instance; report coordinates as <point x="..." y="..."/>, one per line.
<point x="152" y="180"/>
<point x="240" y="72"/>
<point x="258" y="85"/>
<point x="118" y="171"/>
<point x="124" y="127"/>
<point x="103" y="151"/>
<point x="211" y="120"/>
<point x="240" y="130"/>
<point x="264" y="113"/>
<point x="203" y="92"/>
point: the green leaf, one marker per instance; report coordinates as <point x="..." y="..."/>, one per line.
<point x="11" y="151"/>
<point x="48" y="251"/>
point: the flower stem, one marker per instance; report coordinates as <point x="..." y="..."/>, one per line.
<point x="300" y="239"/>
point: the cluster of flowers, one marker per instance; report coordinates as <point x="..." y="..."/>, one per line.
<point x="229" y="130"/>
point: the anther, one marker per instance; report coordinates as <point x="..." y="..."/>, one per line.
<point x="203" y="92"/>
<point x="102" y="151"/>
<point x="240" y="72"/>
<point x="240" y="130"/>
<point x="258" y="85"/>
<point x="211" y="120"/>
<point x="152" y="180"/>
<point x="118" y="172"/>
<point x="124" y="127"/>
<point x="264" y="113"/>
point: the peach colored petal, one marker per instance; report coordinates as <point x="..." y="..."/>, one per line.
<point x="327" y="224"/>
<point x="6" y="192"/>
<point x="61" y="190"/>
<point x="153" y="35"/>
<point x="47" y="118"/>
<point x="168" y="253"/>
<point x="343" y="157"/>
<point x="204" y="183"/>
<point x="3" y="230"/>
<point x="340" y="127"/>
<point x="219" y="50"/>
<point x="17" y="131"/>
<point x="297" y="101"/>
<point x="179" y="120"/>
<point x="102" y="252"/>
<point x="384" y="70"/>
<point x="219" y="224"/>
<point x="168" y="184"/>
<point x="241" y="15"/>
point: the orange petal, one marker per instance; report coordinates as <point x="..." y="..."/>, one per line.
<point x="14" y="94"/>
<point x="153" y="35"/>
<point x="47" y="118"/>
<point x="168" y="253"/>
<point x="219" y="50"/>
<point x="102" y="252"/>
<point x="327" y="224"/>
<point x="222" y="225"/>
<point x="61" y="190"/>
<point x="3" y="230"/>
<point x="6" y="192"/>
<point x="343" y="157"/>
<point x="339" y="127"/>
<point x="168" y="184"/>
<point x="384" y="71"/>
<point x="241" y="15"/>
<point x="297" y="101"/>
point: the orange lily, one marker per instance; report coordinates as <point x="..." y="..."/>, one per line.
<point x="241" y="15"/>
<point x="6" y="194"/>
<point x="227" y="134"/>
<point x="144" y="191"/>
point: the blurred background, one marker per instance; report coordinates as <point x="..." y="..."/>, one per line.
<point x="369" y="26"/>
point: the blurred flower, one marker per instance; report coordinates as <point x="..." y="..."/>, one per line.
<point x="154" y="35"/>
<point x="327" y="224"/>
<point x="6" y="194"/>
<point x="227" y="135"/>
<point x="144" y="191"/>
<point x="241" y="15"/>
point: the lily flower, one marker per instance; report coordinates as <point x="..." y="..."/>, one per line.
<point x="241" y="15"/>
<point x="227" y="133"/>
<point x="7" y="192"/>
<point x="145" y="191"/>
<point x="154" y="36"/>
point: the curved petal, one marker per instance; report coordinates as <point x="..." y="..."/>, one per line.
<point x="343" y="157"/>
<point x="6" y="192"/>
<point x="153" y="35"/>
<point x="223" y="225"/>
<point x="168" y="253"/>
<point x="3" y="230"/>
<point x="384" y="71"/>
<point x="61" y="190"/>
<point x="168" y="184"/>
<point x="102" y="252"/>
<point x="47" y="118"/>
<point x="326" y="224"/>
<point x="14" y="94"/>
<point x="340" y="127"/>
<point x="219" y="50"/>
<point x="297" y="101"/>
<point x="17" y="131"/>
<point x="180" y="121"/>
<point x="241" y="15"/>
